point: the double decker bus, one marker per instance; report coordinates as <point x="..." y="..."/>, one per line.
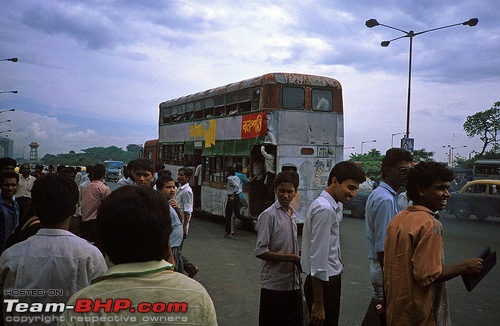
<point x="295" y="118"/>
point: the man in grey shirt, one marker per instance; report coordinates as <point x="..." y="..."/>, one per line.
<point x="280" y="296"/>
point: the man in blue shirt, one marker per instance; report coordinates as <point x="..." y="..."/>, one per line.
<point x="381" y="207"/>
<point x="166" y="185"/>
<point x="9" y="208"/>
<point x="243" y="204"/>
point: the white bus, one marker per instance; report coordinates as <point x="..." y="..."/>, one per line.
<point x="298" y="118"/>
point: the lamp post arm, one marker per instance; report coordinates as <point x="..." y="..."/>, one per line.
<point x="437" y="28"/>
<point x="397" y="38"/>
<point x="395" y="28"/>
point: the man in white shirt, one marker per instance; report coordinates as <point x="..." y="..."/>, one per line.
<point x="184" y="199"/>
<point x="23" y="194"/>
<point x="54" y="261"/>
<point x="320" y="257"/>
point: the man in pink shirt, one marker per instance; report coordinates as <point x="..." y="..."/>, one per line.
<point x="92" y="197"/>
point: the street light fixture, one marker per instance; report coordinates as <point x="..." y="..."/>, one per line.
<point x="13" y="92"/>
<point x="11" y="110"/>
<point x="392" y="137"/>
<point x="364" y="142"/>
<point x="450" y="153"/>
<point x="1" y="132"/>
<point x="411" y="34"/>
<point x="10" y="59"/>
<point x="452" y="157"/>
<point x="5" y="121"/>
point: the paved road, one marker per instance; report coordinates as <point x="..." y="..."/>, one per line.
<point x="230" y="272"/>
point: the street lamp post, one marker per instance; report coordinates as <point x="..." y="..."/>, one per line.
<point x="452" y="158"/>
<point x="364" y="142"/>
<point x="450" y="153"/>
<point x="411" y="34"/>
<point x="13" y="92"/>
<point x="392" y="137"/>
<point x="11" y="110"/>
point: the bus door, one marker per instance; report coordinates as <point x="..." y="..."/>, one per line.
<point x="261" y="194"/>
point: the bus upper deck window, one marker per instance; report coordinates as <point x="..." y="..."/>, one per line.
<point x="293" y="98"/>
<point x="255" y="99"/>
<point x="322" y="100"/>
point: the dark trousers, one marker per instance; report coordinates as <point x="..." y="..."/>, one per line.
<point x="187" y="266"/>
<point x="280" y="308"/>
<point x="231" y="207"/>
<point x="331" y="298"/>
<point x="24" y="206"/>
<point x="374" y="316"/>
<point x="88" y="231"/>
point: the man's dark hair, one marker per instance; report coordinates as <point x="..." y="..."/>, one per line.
<point x="160" y="183"/>
<point x="163" y="172"/>
<point x="423" y="175"/>
<point x="238" y="167"/>
<point x="8" y="175"/>
<point x="187" y="172"/>
<point x="98" y="172"/>
<point x="69" y="170"/>
<point x="159" y="166"/>
<point x="393" y="156"/>
<point x="54" y="197"/>
<point x="346" y="170"/>
<point x="230" y="170"/>
<point x="7" y="161"/>
<point x="143" y="164"/>
<point x="287" y="176"/>
<point x="133" y="224"/>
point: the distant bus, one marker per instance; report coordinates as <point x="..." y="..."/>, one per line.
<point x="150" y="150"/>
<point x="297" y="118"/>
<point x="114" y="170"/>
<point x="487" y="169"/>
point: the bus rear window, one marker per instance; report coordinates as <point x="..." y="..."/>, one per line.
<point x="322" y="100"/>
<point x="293" y="98"/>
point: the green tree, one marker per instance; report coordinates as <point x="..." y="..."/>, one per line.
<point x="420" y="155"/>
<point x="93" y="155"/>
<point x="371" y="163"/>
<point x="486" y="125"/>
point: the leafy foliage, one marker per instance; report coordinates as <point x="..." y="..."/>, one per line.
<point x="486" y="125"/>
<point x="372" y="161"/>
<point x="94" y="155"/>
<point x="420" y="155"/>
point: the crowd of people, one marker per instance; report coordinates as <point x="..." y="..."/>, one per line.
<point x="404" y="244"/>
<point x="125" y="244"/>
<point x="67" y="238"/>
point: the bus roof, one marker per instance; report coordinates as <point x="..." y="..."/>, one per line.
<point x="270" y="78"/>
<point x="492" y="161"/>
<point x="111" y="161"/>
<point x="151" y="142"/>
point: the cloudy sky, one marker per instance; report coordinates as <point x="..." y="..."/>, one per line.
<point x="92" y="73"/>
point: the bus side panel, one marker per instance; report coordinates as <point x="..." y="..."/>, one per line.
<point x="313" y="175"/>
<point x="306" y="128"/>
<point x="213" y="200"/>
<point x="310" y="143"/>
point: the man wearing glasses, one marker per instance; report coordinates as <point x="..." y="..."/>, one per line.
<point x="381" y="207"/>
